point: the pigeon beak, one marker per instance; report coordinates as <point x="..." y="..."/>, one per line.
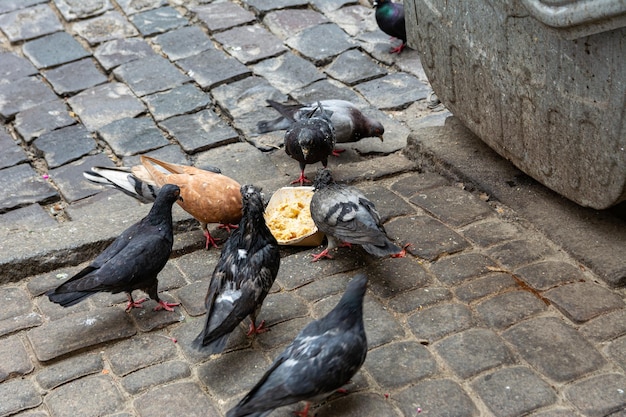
<point x="381" y="137"/>
<point x="180" y="198"/>
<point x="305" y="152"/>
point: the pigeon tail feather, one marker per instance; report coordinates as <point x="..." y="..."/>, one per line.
<point x="68" y="299"/>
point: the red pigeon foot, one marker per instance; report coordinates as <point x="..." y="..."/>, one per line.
<point x="397" y="49"/>
<point x="402" y="253"/>
<point x="134" y="304"/>
<point x="302" y="180"/>
<point x="303" y="413"/>
<point x="164" y="305"/>
<point x="228" y="226"/>
<point x="322" y="254"/>
<point x="210" y="240"/>
<point x="258" y="329"/>
<point x="337" y="152"/>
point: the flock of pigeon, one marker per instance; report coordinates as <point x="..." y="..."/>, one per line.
<point x="327" y="352"/>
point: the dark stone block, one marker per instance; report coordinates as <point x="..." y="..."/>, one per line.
<point x="46" y="117"/>
<point x="440" y="320"/>
<point x="10" y="5"/>
<point x="74" y="77"/>
<point x="598" y="396"/>
<point x="520" y="252"/>
<point x="413" y="359"/>
<point x="393" y="91"/>
<point x="509" y="308"/>
<point x="419" y="298"/>
<point x="452" y="205"/>
<point x="120" y="51"/>
<point x="184" y="42"/>
<point x="91" y="396"/>
<point x="69" y="369"/>
<point x="158" y="20"/>
<point x="14" y="360"/>
<point x="213" y="67"/>
<point x="72" y="10"/>
<point x="23" y="94"/>
<point x="69" y="177"/>
<point x="65" y="145"/>
<point x="32" y="218"/>
<point x="598" y="300"/>
<point x="140" y="352"/>
<point x="13" y="67"/>
<point x="288" y="22"/>
<point x="307" y="42"/>
<point x="484" y="286"/>
<point x="353" y="67"/>
<point x="288" y="72"/>
<point x="183" y="398"/>
<point x="491" y="231"/>
<point x="29" y="23"/>
<point x="360" y="404"/>
<point x="132" y="136"/>
<point x="109" y="26"/>
<point x="169" y="153"/>
<point x="605" y="327"/>
<point x="437" y="397"/>
<point x="150" y="75"/>
<point x="547" y="274"/>
<point x="10" y="152"/>
<point x="132" y="6"/>
<point x="250" y="44"/>
<point x="265" y="6"/>
<point x="17" y="395"/>
<point x="223" y="15"/>
<point x="200" y="131"/>
<point x="389" y="277"/>
<point x="455" y="269"/>
<point x="177" y="101"/>
<point x="23" y="186"/>
<point x="158" y="374"/>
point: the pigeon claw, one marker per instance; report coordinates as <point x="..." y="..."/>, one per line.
<point x="257" y="329"/>
<point x="303" y="413"/>
<point x="302" y="180"/>
<point x="164" y="305"/>
<point x="134" y="304"/>
<point x="337" y="152"/>
<point x="210" y="240"/>
<point x="397" y="49"/>
<point x="402" y="253"/>
<point x="228" y="226"/>
<point x="322" y="254"/>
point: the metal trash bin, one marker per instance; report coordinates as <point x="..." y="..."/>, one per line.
<point x="542" y="82"/>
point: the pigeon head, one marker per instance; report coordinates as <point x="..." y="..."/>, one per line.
<point x="252" y="199"/>
<point x="350" y="307"/>
<point x="323" y="179"/>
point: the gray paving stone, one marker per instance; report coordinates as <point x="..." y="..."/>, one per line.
<point x="330" y="5"/>
<point x="455" y="269"/>
<point x="55" y="49"/>
<point x="263" y="6"/>
<point x="32" y="218"/>
<point x="92" y="396"/>
<point x="80" y="10"/>
<point x="388" y="204"/>
<point x="192" y="297"/>
<point x="435" y="240"/>
<point x="10" y="152"/>
<point x="547" y="274"/>
<point x="52" y="311"/>
<point x="491" y="231"/>
<point x="132" y="135"/>
<point x="69" y="369"/>
<point x="29" y="23"/>
<point x="177" y="101"/>
<point x="23" y="186"/>
<point x="288" y="72"/>
<point x="197" y="265"/>
<point x="17" y="395"/>
<point x="509" y="308"/>
<point x="184" y="42"/>
<point x="120" y="51"/>
<point x="158" y="20"/>
<point x="14" y="359"/>
<point x="377" y="44"/>
<point x="250" y="44"/>
<point x="605" y="327"/>
<point x="437" y="398"/>
<point x="148" y="320"/>
<point x="307" y="42"/>
<point x="282" y="306"/>
<point x="399" y="364"/>
<point x="324" y="88"/>
<point x="14" y="67"/>
<point x="183" y="398"/>
<point x="419" y="298"/>
<point x="23" y="94"/>
<point x="409" y="185"/>
<point x="155" y="375"/>
<point x="354" y="19"/>
<point x="357" y="404"/>
<point x="223" y="15"/>
<point x="617" y="351"/>
<point x="482" y="287"/>
<point x="104" y="104"/>
<point x="393" y="91"/>
<point x="324" y="287"/>
<point x="150" y="75"/>
<point x="46" y="117"/>
<point x="598" y="300"/>
<point x="16" y="302"/>
<point x="74" y="77"/>
<point x="554" y="348"/>
<point x="40" y="284"/>
<point x="520" y="252"/>
<point x="200" y="131"/>
<point x="281" y="335"/>
<point x="213" y="67"/>
<point x="170" y="153"/>
<point x="556" y="412"/>
<point x="440" y="320"/>
<point x="452" y="205"/>
<point x="353" y="67"/>
<point x="233" y="373"/>
<point x="109" y="26"/>
<point x="515" y="391"/>
<point x="285" y="23"/>
<point x="139" y="352"/>
<point x="65" y="145"/>
<point x="599" y="395"/>
<point x="389" y="277"/>
<point x="131" y="6"/>
<point x="65" y="177"/>
<point x="79" y="331"/>
<point x="10" y="5"/>
<point x="474" y="351"/>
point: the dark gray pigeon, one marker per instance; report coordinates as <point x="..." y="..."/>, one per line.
<point x="390" y="19"/>
<point x="131" y="262"/>
<point x="350" y="124"/>
<point x="321" y="359"/>
<point x="346" y="215"/>
<point x="244" y="274"/>
<point x="310" y="140"/>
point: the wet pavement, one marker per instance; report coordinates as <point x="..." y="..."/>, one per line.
<point x="510" y="301"/>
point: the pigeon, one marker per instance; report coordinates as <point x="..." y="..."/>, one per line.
<point x="321" y="359"/>
<point x="208" y="196"/>
<point x="344" y="214"/>
<point x="310" y="140"/>
<point x="350" y="124"/>
<point x="244" y="274"/>
<point x="390" y="19"/>
<point x="131" y="262"/>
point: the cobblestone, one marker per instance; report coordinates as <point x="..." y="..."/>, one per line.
<point x="69" y="399"/>
<point x="250" y="44"/>
<point x="131" y="136"/>
<point x="29" y="23"/>
<point x="14" y="360"/>
<point x="547" y="274"/>
<point x="456" y="269"/>
<point x="288" y="72"/>
<point x="69" y="370"/>
<point x="155" y="375"/>
<point x="109" y="26"/>
<point x="413" y="363"/>
<point x="55" y="49"/>
<point x="159" y="20"/>
<point x="18" y="394"/>
<point x="10" y="153"/>
<point x="74" y="77"/>
<point x="72" y="11"/>
<point x="599" y="300"/>
<point x="212" y="67"/>
<point x="440" y="320"/>
<point x="150" y="75"/>
<point x="183" y="42"/>
<point x="184" y="398"/>
<point x="511" y="307"/>
<point x="23" y="94"/>
<point x="437" y="397"/>
<point x="308" y="44"/>
<point x="65" y="145"/>
<point x="46" y="117"/>
<point x="120" y="51"/>
<point x="600" y="395"/>
<point x="23" y="186"/>
<point x="200" y="131"/>
<point x="452" y="205"/>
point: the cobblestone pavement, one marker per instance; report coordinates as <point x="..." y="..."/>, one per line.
<point x="510" y="302"/>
